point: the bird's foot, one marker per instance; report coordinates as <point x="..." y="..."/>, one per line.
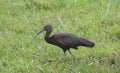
<point x="60" y="60"/>
<point x="47" y="61"/>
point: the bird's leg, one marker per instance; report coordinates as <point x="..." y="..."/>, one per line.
<point x="63" y="60"/>
<point x="71" y="54"/>
<point x="64" y="56"/>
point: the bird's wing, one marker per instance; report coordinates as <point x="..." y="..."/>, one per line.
<point x="66" y="39"/>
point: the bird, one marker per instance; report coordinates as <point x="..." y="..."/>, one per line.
<point x="65" y="41"/>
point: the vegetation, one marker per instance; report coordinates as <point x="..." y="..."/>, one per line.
<point x="96" y="20"/>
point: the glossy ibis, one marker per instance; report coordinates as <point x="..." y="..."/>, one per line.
<point x="64" y="40"/>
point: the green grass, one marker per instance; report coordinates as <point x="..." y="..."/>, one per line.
<point x="96" y="20"/>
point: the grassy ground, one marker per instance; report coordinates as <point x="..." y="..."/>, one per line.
<point x="96" y="20"/>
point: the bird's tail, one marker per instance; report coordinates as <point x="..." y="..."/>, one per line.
<point x="87" y="43"/>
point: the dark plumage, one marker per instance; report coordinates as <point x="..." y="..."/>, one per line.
<point x="64" y="40"/>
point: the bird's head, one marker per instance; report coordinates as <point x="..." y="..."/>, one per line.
<point x="47" y="28"/>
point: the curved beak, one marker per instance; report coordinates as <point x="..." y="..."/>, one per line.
<point x="36" y="35"/>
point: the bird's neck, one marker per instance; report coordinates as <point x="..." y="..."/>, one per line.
<point x="47" y="35"/>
